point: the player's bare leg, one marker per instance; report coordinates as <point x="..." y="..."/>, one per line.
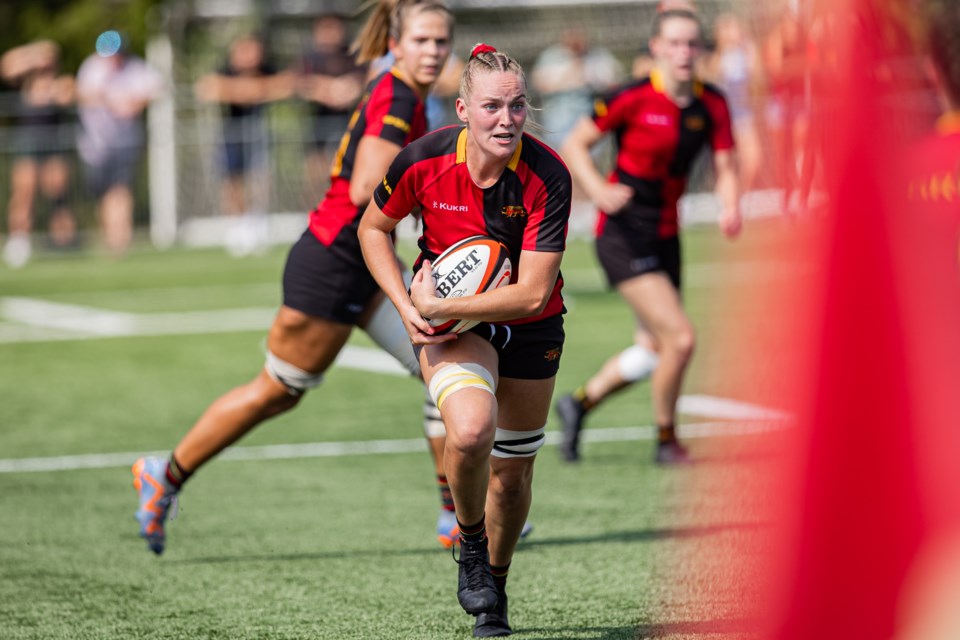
<point x="460" y="376"/>
<point x="610" y="378"/>
<point x="301" y="348"/>
<point x="621" y="370"/>
<point x="657" y="304"/>
<point x="523" y="409"/>
<point x="306" y="342"/>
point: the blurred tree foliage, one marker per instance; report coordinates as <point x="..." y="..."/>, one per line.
<point x="73" y="24"/>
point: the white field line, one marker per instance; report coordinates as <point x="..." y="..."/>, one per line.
<point x="373" y="447"/>
<point x="67" y="321"/>
<point x="40" y="320"/>
<point x="47" y="320"/>
<point x="713" y="407"/>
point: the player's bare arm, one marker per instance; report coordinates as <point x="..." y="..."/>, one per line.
<point x="528" y="296"/>
<point x="609" y="197"/>
<point x="374" y="155"/>
<point x="728" y="190"/>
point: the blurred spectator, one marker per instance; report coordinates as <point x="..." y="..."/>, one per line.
<point x="114" y="88"/>
<point x="568" y="75"/>
<point x="443" y="96"/>
<point x="331" y="81"/>
<point x="244" y="86"/>
<point x="39" y="167"/>
<point x="786" y="117"/>
<point x="733" y="66"/>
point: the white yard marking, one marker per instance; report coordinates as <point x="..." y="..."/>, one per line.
<point x="713" y="407"/>
<point x="371" y="447"/>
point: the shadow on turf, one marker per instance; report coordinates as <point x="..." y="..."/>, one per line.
<point x="312" y="555"/>
<point x="734" y="628"/>
<point x="725" y="458"/>
<point x="645" y="535"/>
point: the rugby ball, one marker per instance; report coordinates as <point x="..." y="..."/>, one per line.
<point x="468" y="267"/>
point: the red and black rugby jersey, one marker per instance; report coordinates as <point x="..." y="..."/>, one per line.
<point x="526" y="209"/>
<point x="389" y="109"/>
<point x="657" y="142"/>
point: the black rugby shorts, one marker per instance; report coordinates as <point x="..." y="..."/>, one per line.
<point x="327" y="282"/>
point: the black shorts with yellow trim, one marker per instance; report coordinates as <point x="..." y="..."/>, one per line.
<point x="528" y="351"/>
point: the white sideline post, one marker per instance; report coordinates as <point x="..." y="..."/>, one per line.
<point x="161" y="149"/>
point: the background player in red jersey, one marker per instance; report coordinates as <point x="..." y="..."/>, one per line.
<point x="661" y="122"/>
<point x="493" y="383"/>
<point x="327" y="289"/>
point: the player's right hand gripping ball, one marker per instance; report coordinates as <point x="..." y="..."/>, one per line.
<point x="468" y="267"/>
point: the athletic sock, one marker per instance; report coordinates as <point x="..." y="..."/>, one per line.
<point x="474" y="532"/>
<point x="446" y="496"/>
<point x="176" y="474"/>
<point x="580" y="395"/>
<point x="499" y="574"/>
<point x="666" y="433"/>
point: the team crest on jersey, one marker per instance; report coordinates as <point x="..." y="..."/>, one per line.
<point x="514" y="211"/>
<point x="552" y="354"/>
<point x="694" y="123"/>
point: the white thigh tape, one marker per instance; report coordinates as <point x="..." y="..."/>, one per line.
<point x="454" y="377"/>
<point x="296" y="380"/>
<point x="432" y="422"/>
<point x="636" y="363"/>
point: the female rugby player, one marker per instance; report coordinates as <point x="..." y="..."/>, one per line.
<point x="493" y="383"/>
<point x="661" y="123"/>
<point x="327" y="289"/>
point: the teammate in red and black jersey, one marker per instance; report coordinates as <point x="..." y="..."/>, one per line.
<point x="493" y="384"/>
<point x="660" y="124"/>
<point x="327" y="289"/>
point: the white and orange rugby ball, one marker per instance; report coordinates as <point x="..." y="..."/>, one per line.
<point x="471" y="266"/>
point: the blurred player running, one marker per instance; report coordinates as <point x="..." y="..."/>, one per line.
<point x="327" y="289"/>
<point x="661" y="123"/>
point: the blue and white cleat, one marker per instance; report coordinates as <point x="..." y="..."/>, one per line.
<point x="158" y="499"/>
<point x="448" y="531"/>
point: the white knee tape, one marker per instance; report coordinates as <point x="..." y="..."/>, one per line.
<point x="636" y="363"/>
<point x="432" y="422"/>
<point x="386" y="329"/>
<point x="517" y="444"/>
<point x="296" y="380"/>
<point x="454" y="377"/>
